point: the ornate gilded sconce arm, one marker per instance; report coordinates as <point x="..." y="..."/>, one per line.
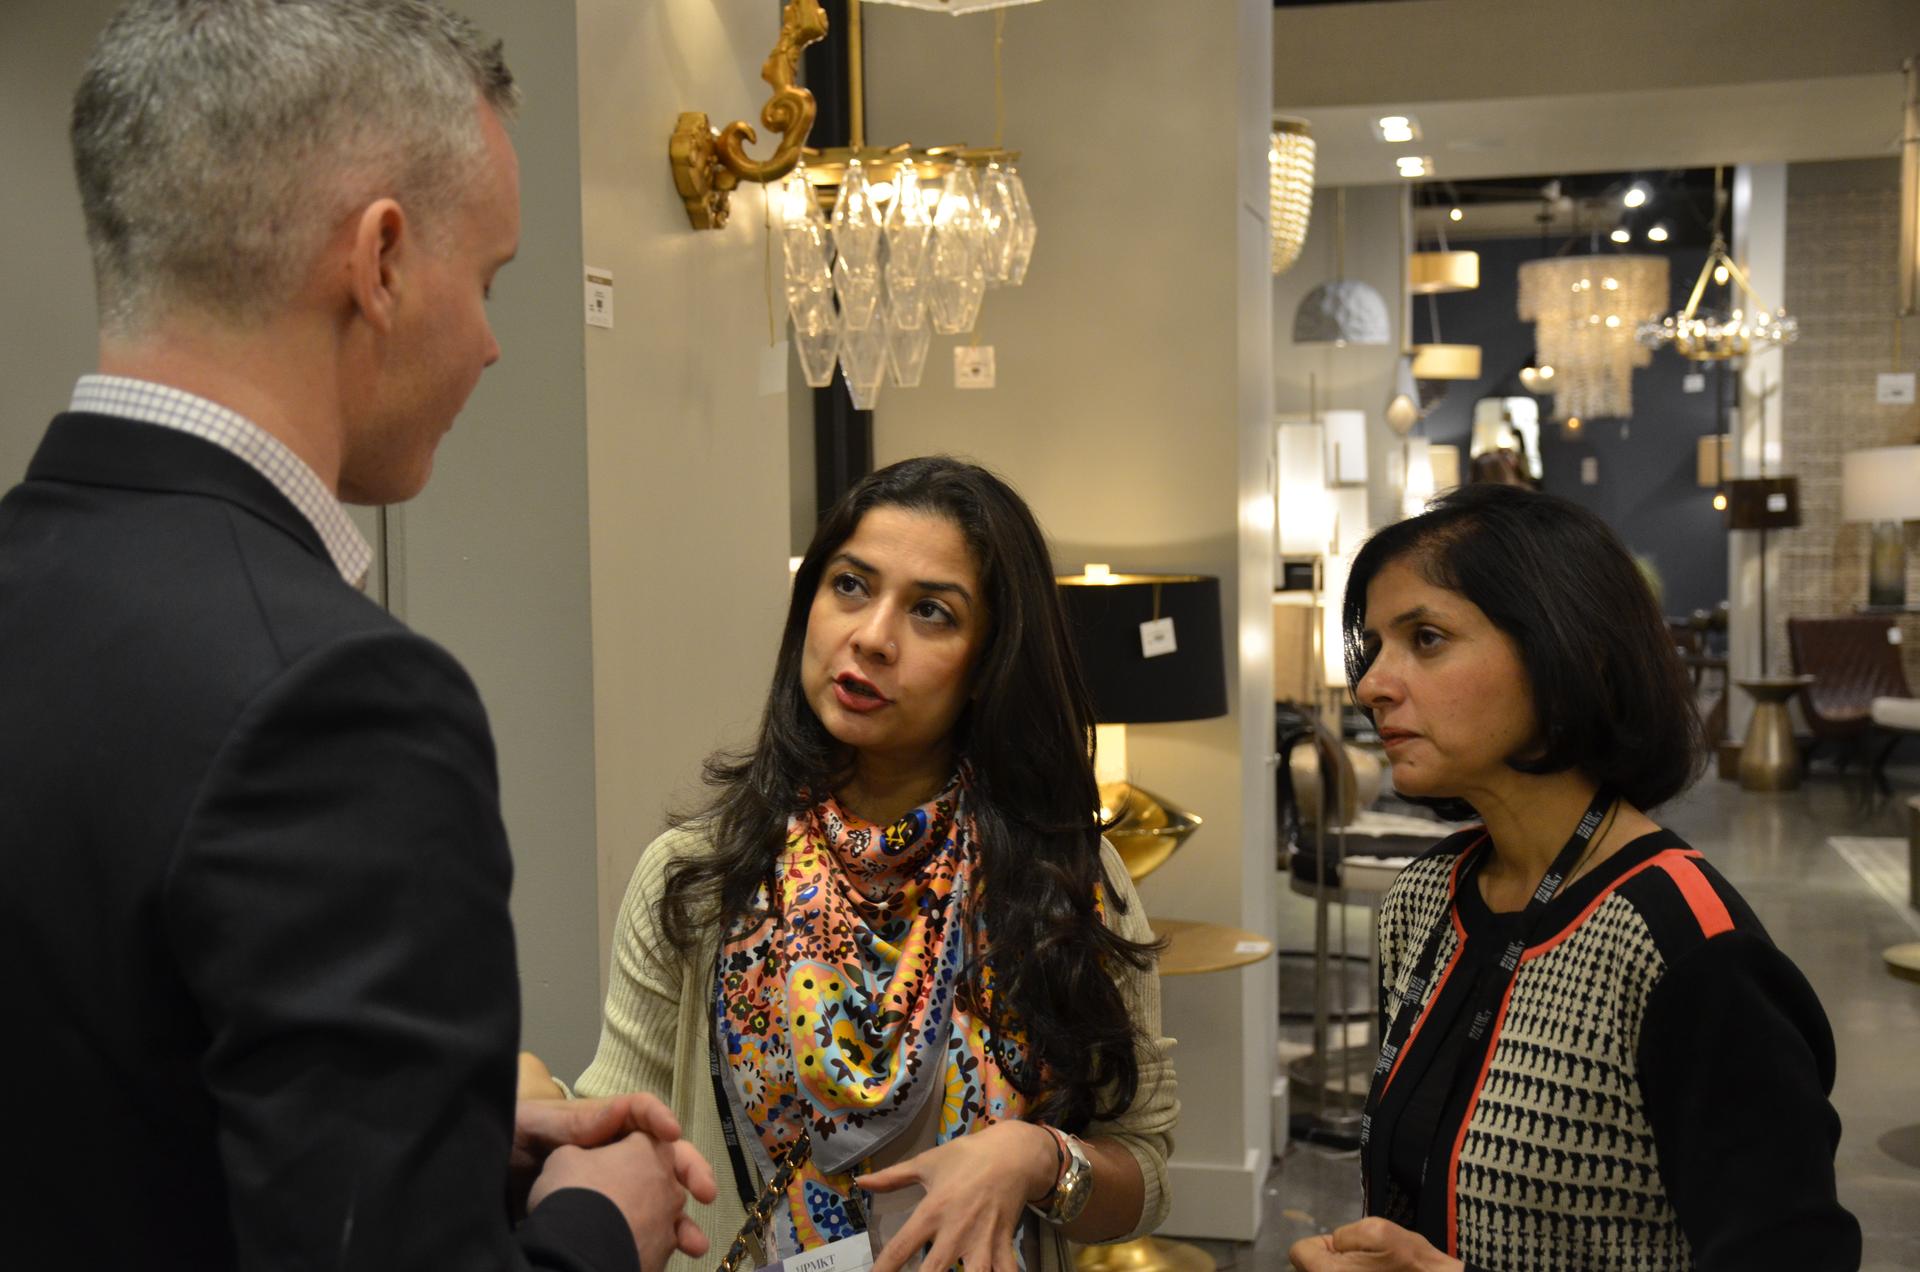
<point x="708" y="165"/>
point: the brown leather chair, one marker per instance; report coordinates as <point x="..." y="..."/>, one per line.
<point x="1852" y="662"/>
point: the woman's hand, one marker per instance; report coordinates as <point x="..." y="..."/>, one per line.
<point x="1372" y="1245"/>
<point x="976" y="1186"/>
<point x="536" y="1080"/>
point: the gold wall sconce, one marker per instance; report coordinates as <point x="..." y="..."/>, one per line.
<point x="709" y="164"/>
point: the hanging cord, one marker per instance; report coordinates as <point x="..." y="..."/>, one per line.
<point x="999" y="86"/>
<point x="766" y="216"/>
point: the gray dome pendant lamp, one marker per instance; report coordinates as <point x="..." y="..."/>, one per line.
<point x="1344" y="311"/>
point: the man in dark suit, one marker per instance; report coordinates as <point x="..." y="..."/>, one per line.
<point x="254" y="924"/>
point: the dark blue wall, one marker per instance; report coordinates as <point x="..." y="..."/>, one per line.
<point x="1646" y="490"/>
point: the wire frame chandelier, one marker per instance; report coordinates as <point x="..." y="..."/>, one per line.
<point x="1744" y="325"/>
<point x="1587" y="312"/>
<point x="1289" y="190"/>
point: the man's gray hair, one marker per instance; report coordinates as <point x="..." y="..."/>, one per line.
<point x="218" y="143"/>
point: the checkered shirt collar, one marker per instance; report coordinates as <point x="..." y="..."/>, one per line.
<point x="169" y="407"/>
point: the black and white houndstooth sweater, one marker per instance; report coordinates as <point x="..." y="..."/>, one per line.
<point x="1652" y="1092"/>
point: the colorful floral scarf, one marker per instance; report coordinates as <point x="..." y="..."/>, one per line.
<point x="843" y="1012"/>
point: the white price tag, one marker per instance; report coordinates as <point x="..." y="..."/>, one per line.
<point x="599" y="297"/>
<point x="1590" y="470"/>
<point x="1895" y="636"/>
<point x="848" y="1254"/>
<point x="1894" y="388"/>
<point x="1693" y="382"/>
<point x="1156" y="638"/>
<point x="973" y="366"/>
<point x="1251" y="947"/>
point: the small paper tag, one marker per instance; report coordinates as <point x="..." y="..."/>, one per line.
<point x="848" y="1254"/>
<point x="1589" y="470"/>
<point x="973" y="366"/>
<point x="1156" y="638"/>
<point x="1251" y="947"/>
<point x="1894" y="388"/>
<point x="773" y="369"/>
<point x="1693" y="382"/>
<point x="1777" y="501"/>
<point x="1895" y="636"/>
<point x="599" y="297"/>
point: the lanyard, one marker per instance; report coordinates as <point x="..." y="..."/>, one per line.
<point x="1482" y="996"/>
<point x="742" y="1179"/>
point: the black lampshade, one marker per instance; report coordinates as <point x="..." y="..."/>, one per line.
<point x="1188" y="683"/>
<point x="1763" y="503"/>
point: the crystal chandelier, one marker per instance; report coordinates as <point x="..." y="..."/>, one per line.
<point x="883" y="248"/>
<point x="1289" y="190"/>
<point x="913" y="243"/>
<point x="1586" y="312"/>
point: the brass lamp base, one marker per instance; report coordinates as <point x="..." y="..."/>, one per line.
<point x="1149" y="829"/>
<point x="1148" y="1254"/>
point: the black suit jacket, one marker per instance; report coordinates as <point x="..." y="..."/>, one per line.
<point x="255" y="952"/>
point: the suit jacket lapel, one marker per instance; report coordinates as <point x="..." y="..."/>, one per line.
<point x="105" y="450"/>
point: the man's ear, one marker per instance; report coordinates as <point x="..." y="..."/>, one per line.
<point x="382" y="244"/>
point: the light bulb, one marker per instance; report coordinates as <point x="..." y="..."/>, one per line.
<point x="1720" y="274"/>
<point x="1573" y="423"/>
<point x="1456" y="215"/>
<point x="1620" y="235"/>
<point x="1657" y="234"/>
<point x="1635" y="197"/>
<point x="1720" y="502"/>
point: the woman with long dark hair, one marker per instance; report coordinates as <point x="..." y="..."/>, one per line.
<point x="1593" y="1056"/>
<point x="892" y="956"/>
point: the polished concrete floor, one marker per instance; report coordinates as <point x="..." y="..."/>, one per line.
<point x="1824" y="913"/>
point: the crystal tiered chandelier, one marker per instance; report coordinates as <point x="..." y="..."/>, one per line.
<point x="1289" y="190"/>
<point x="884" y="248"/>
<point x="1586" y="312"/>
<point x="913" y="243"/>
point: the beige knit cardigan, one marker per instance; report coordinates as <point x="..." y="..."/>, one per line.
<point x="653" y="1037"/>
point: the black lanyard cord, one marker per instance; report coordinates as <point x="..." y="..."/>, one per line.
<point x="1482" y="996"/>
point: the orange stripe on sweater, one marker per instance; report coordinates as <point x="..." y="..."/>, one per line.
<point x="1708" y="909"/>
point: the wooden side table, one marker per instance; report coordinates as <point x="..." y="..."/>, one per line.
<point x="1904" y="961"/>
<point x="1769" y="759"/>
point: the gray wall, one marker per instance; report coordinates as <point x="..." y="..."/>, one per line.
<point x="491" y="561"/>
<point x="47" y="322"/>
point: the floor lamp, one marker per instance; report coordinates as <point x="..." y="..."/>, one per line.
<point x="1151" y="649"/>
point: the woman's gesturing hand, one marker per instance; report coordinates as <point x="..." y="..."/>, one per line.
<point x="976" y="1186"/>
<point x="1372" y="1245"/>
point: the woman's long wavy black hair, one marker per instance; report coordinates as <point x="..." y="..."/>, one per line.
<point x="1027" y="734"/>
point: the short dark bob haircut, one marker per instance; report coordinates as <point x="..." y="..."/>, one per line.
<point x="1612" y="698"/>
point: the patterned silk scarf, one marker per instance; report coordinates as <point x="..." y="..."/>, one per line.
<point x="841" y="1013"/>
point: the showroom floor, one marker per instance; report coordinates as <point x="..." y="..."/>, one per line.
<point x="1826" y="905"/>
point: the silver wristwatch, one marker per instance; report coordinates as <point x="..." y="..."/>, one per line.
<point x="1074" y="1186"/>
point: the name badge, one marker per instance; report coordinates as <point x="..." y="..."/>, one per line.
<point x="849" y="1254"/>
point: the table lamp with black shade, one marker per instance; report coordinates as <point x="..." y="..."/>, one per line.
<point x="1151" y="651"/>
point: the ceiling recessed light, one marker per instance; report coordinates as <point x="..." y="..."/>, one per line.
<point x="1657" y="234"/>
<point x="1635" y="196"/>
<point x="1620" y="235"/>
<point x="1414" y="165"/>
<point x="1396" y="128"/>
<point x="1455" y="215"/>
